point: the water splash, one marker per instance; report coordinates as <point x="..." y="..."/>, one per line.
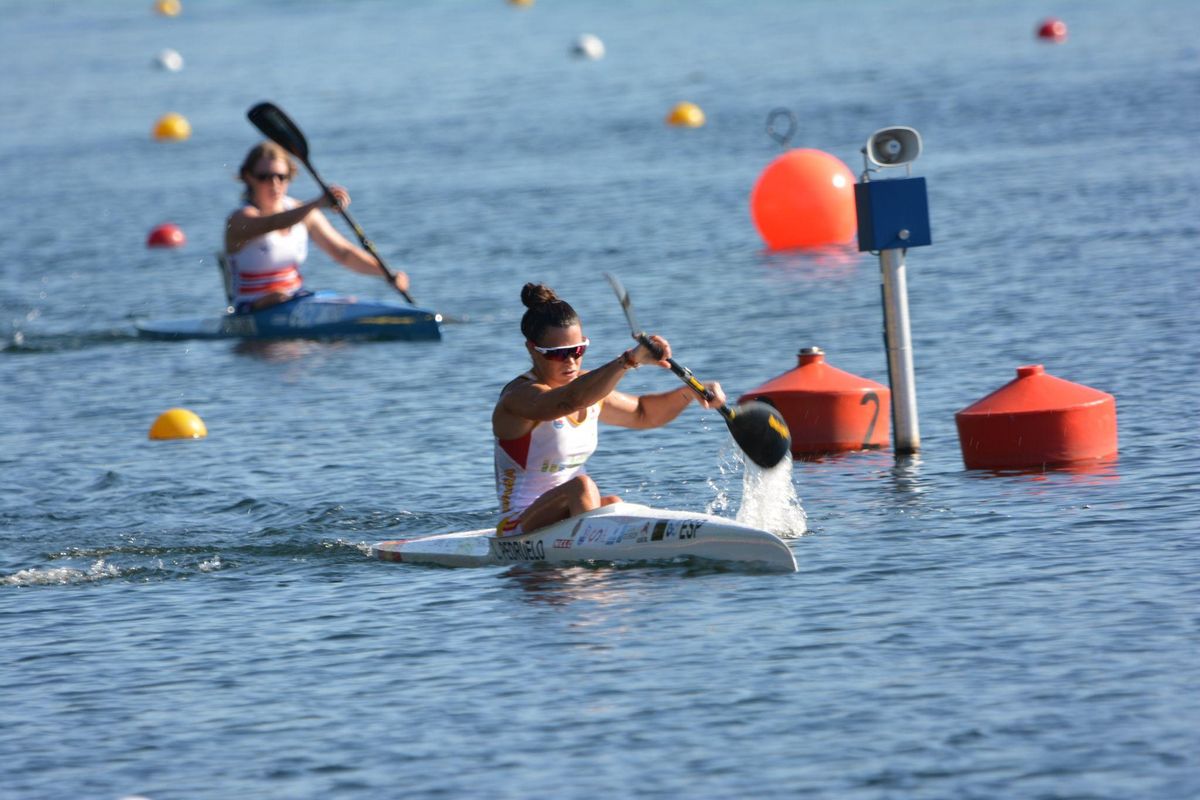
<point x="211" y="564"/>
<point x="769" y="499"/>
<point x="35" y="576"/>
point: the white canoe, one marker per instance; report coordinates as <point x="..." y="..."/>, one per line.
<point x="617" y="532"/>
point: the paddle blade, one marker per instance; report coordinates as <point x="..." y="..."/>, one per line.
<point x="760" y="432"/>
<point x="279" y="128"/>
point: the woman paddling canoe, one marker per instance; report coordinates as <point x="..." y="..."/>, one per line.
<point x="545" y="422"/>
<point x="266" y="240"/>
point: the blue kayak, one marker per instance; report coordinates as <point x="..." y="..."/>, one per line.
<point x="320" y="315"/>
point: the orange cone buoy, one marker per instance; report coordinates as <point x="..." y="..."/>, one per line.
<point x="686" y="115"/>
<point x="827" y="409"/>
<point x="166" y="235"/>
<point x="1037" y="420"/>
<point x="804" y="198"/>
<point x="178" y="423"/>
<point x="1052" y="30"/>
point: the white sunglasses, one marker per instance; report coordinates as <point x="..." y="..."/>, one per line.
<point x="564" y="353"/>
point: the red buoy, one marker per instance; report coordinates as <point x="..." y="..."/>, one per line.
<point x="1053" y="30"/>
<point x="827" y="409"/>
<point x="166" y="235"/>
<point x="804" y="199"/>
<point x="1037" y="420"/>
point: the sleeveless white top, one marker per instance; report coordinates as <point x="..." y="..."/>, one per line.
<point x="270" y="263"/>
<point x="548" y="456"/>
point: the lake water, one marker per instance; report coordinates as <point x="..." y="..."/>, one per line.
<point x="202" y="619"/>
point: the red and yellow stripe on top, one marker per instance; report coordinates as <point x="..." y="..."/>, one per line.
<point x="548" y="456"/>
<point x="252" y="285"/>
<point x="509" y="525"/>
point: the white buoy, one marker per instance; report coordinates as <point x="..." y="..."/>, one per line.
<point x="170" y="60"/>
<point x="588" y="46"/>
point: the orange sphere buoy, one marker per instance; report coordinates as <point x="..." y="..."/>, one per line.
<point x="168" y="8"/>
<point x="166" y="235"/>
<point x="178" y="423"/>
<point x="1037" y="420"/>
<point x="1052" y="30"/>
<point x="172" y="127"/>
<point x="827" y="409"/>
<point x="685" y="115"/>
<point x="804" y="198"/>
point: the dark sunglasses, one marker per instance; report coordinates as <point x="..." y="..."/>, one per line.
<point x="263" y="177"/>
<point x="565" y="353"/>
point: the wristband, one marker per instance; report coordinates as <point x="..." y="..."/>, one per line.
<point x="628" y="361"/>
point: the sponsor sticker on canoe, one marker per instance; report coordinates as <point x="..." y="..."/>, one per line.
<point x="665" y="529"/>
<point x="615" y="535"/>
<point x="634" y="533"/>
<point x="593" y="533"/>
<point x="609" y="533"/>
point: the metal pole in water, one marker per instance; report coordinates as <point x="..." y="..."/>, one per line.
<point x="893" y="215"/>
<point x="897" y="337"/>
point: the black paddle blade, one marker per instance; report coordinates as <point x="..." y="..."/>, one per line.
<point x="760" y="432"/>
<point x="279" y="128"/>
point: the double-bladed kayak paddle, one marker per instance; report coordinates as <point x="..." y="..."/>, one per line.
<point x="279" y="128"/>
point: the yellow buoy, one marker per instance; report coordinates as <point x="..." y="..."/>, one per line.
<point x="520" y="3"/>
<point x="168" y="8"/>
<point x="178" y="423"/>
<point x="172" y="126"/>
<point x="686" y="115"/>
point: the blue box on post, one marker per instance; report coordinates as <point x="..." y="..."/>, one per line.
<point x="886" y="208"/>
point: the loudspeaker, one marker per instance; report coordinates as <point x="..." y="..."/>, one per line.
<point x="893" y="147"/>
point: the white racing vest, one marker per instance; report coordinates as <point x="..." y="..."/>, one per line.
<point x="548" y="456"/>
<point x="270" y="263"/>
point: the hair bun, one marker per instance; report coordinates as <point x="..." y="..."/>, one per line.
<point x="537" y="294"/>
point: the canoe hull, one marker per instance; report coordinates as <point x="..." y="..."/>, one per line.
<point x="321" y="315"/>
<point x="619" y="532"/>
